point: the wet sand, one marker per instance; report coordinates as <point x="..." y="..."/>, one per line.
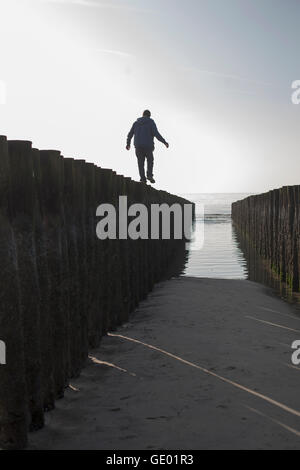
<point x="209" y="368"/>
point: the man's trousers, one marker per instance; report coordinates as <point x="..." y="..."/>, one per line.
<point x="142" y="155"/>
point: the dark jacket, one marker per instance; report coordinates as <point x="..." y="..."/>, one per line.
<point x="144" y="130"/>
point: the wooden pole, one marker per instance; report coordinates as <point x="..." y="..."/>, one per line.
<point x="24" y="217"/>
<point x="13" y="391"/>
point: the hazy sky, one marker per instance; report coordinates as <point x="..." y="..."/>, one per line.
<point x="216" y="75"/>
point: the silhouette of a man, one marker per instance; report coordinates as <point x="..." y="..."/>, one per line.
<point x="144" y="130"/>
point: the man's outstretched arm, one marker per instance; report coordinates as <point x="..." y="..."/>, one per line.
<point x="158" y="135"/>
<point x="129" y="137"/>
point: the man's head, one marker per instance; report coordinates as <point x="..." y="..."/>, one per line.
<point x="146" y="113"/>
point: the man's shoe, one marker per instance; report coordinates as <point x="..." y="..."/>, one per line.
<point x="143" y="180"/>
<point x="151" y="179"/>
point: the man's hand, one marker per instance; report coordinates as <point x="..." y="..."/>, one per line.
<point x="167" y="145"/>
<point x="127" y="147"/>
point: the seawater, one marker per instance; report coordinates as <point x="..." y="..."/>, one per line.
<point x="220" y="256"/>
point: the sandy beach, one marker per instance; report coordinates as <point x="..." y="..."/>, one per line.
<point x="202" y="364"/>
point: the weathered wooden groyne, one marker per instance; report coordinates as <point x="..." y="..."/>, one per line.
<point x="61" y="288"/>
<point x="270" y="223"/>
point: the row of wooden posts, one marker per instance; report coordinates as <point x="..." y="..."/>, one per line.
<point x="61" y="288"/>
<point x="270" y="222"/>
